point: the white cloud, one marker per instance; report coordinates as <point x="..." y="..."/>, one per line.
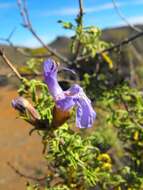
<point x="7" y="5"/>
<point x="73" y="11"/>
<point x="61" y="12"/>
<point x="102" y="7"/>
<point x="136" y="19"/>
<point x="133" y="20"/>
<point x="68" y="11"/>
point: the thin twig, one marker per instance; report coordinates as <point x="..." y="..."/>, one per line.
<point x="11" y="33"/>
<point x="81" y="11"/>
<point x="27" y="24"/>
<point x="20" y="50"/>
<point x="124" y="18"/>
<point x="114" y="47"/>
<point x="25" y="175"/>
<point x="124" y="42"/>
<point x="8" y="39"/>
<point x="80" y="24"/>
<point x="11" y="66"/>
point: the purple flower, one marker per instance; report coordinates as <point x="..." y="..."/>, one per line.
<point x="23" y="105"/>
<point x="65" y="100"/>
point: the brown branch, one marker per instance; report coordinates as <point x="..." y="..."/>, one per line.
<point x="114" y="47"/>
<point x="81" y="10"/>
<point x="80" y="24"/>
<point x="124" y="42"/>
<point x="27" y="24"/>
<point x="124" y="18"/>
<point x="8" y="39"/>
<point x="25" y="175"/>
<point x="8" y="62"/>
<point x="20" y="50"/>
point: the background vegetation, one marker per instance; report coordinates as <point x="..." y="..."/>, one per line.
<point x="109" y="156"/>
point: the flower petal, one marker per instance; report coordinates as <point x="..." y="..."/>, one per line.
<point x="68" y="100"/>
<point x="66" y="103"/>
<point x="65" y="100"/>
<point x="50" y="74"/>
<point x="22" y="104"/>
<point x="85" y="115"/>
<point x="50" y="68"/>
<point x="75" y="96"/>
<point x="18" y="103"/>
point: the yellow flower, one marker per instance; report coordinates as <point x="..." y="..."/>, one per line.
<point x="136" y="136"/>
<point x="108" y="60"/>
<point x="104" y="157"/>
<point x="107" y="166"/>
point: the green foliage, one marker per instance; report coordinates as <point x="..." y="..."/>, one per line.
<point x="33" y="66"/>
<point x="78" y="161"/>
<point x="108" y="157"/>
<point x="87" y="37"/>
<point x="90" y="41"/>
<point x="125" y="108"/>
<point x="37" y="91"/>
<point x="66" y="25"/>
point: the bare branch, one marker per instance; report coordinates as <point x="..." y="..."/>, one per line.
<point x="114" y="47"/>
<point x="8" y="62"/>
<point x="80" y="24"/>
<point x="124" y="18"/>
<point x="27" y="24"/>
<point x="11" y="33"/>
<point x="25" y="175"/>
<point x="123" y="42"/>
<point x="20" y="50"/>
<point x="81" y="10"/>
<point x="8" y="39"/>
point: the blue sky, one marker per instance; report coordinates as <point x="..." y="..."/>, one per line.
<point x="45" y="14"/>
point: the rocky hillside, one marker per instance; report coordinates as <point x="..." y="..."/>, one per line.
<point x="128" y="56"/>
<point x="61" y="44"/>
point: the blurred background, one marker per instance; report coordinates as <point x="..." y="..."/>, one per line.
<point x="118" y="20"/>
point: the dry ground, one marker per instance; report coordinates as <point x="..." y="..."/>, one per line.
<point x="16" y="146"/>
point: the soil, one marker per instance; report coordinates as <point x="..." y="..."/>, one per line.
<point x="22" y="151"/>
